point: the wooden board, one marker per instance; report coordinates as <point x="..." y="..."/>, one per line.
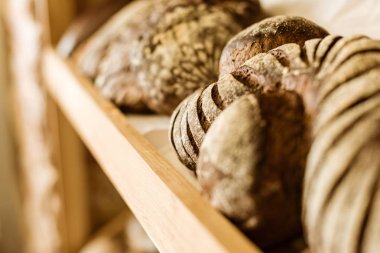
<point x="171" y="210"/>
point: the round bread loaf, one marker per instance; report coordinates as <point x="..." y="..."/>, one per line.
<point x="266" y="35"/>
<point x="180" y="48"/>
<point x="264" y="70"/>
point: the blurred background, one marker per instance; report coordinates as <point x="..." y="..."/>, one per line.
<point x="10" y="216"/>
<point x="54" y="197"/>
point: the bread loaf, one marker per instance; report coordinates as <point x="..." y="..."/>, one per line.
<point x="181" y="46"/>
<point x="262" y="71"/>
<point x="248" y="174"/>
<point x="104" y="58"/>
<point x="152" y="54"/>
<point x="337" y="81"/>
<point x="266" y="35"/>
<point x="342" y="193"/>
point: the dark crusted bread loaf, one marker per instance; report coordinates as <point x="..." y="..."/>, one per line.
<point x="266" y="35"/>
<point x="242" y="168"/>
<point x="256" y="73"/>
<point x="155" y="53"/>
<point x="337" y="80"/>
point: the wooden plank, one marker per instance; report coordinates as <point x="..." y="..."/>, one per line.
<point x="67" y="149"/>
<point x="101" y="240"/>
<point x="69" y="154"/>
<point x="171" y="210"/>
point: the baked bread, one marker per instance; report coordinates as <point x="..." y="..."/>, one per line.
<point x="247" y="173"/>
<point x="342" y="193"/>
<point x="266" y="35"/>
<point x="104" y="58"/>
<point x="181" y="46"/>
<point x="337" y="81"/>
<point x="252" y="76"/>
<point x="155" y="53"/>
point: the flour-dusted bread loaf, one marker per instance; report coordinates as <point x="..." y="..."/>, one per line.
<point x="104" y="58"/>
<point x="246" y="171"/>
<point x="181" y="46"/>
<point x="266" y="35"/>
<point x="342" y="181"/>
<point x="259" y="72"/>
<point x="155" y="53"/>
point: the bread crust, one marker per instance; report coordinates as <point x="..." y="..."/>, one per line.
<point x="266" y="35"/>
<point x="180" y="49"/>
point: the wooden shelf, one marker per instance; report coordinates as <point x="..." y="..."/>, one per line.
<point x="169" y="207"/>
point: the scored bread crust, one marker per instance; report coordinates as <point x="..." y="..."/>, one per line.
<point x="337" y="81"/>
<point x="262" y="71"/>
<point x="266" y="35"/>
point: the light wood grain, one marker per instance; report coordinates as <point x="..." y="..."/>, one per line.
<point x="171" y="210"/>
<point x="73" y="169"/>
<point x="67" y="150"/>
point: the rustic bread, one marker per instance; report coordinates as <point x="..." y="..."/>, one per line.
<point x="264" y="70"/>
<point x="104" y="58"/>
<point x="342" y="193"/>
<point x="248" y="174"/>
<point x="180" y="48"/>
<point x="337" y="81"/>
<point x="155" y="53"/>
<point x="266" y="35"/>
<point x="209" y="104"/>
